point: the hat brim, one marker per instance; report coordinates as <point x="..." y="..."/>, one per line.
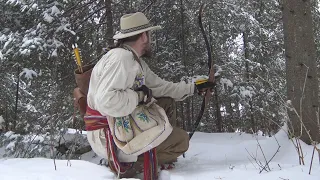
<point x="125" y="35"/>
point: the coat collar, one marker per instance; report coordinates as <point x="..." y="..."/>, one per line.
<point x="135" y="54"/>
<point x="131" y="49"/>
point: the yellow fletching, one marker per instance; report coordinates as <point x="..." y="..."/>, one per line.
<point x="78" y="58"/>
<point x="77" y="55"/>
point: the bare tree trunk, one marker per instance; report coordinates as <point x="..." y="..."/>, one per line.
<point x="6" y="120"/>
<point x="218" y="112"/>
<point x="246" y="56"/>
<point x="182" y="116"/>
<point x="192" y="104"/>
<point x="109" y="15"/>
<point x="188" y="115"/>
<point x="99" y="44"/>
<point x="127" y="7"/>
<point x="15" y="120"/>
<point x="216" y="97"/>
<point x="228" y="118"/>
<point x="183" y="43"/>
<point x="7" y="114"/>
<point x="302" y="82"/>
<point x="183" y="57"/>
<point x="182" y="37"/>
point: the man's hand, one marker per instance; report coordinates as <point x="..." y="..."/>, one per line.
<point x="202" y="87"/>
<point x="146" y="92"/>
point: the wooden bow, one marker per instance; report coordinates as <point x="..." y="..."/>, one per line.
<point x="207" y="96"/>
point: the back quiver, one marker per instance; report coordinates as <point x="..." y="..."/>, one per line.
<point x="81" y="91"/>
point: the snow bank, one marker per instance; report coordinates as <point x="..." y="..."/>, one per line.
<point x="43" y="169"/>
<point x="210" y="156"/>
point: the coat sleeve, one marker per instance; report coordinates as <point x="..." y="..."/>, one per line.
<point x="161" y="88"/>
<point x="113" y="95"/>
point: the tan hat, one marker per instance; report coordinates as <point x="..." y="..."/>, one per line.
<point x="133" y="24"/>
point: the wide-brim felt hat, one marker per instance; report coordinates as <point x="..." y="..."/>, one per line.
<point x="133" y="24"/>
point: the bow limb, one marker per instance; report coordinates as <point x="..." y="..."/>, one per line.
<point x="205" y="36"/>
<point x="207" y="96"/>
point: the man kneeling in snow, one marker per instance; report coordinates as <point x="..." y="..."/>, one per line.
<point x="131" y="111"/>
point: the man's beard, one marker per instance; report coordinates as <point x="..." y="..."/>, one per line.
<point x="147" y="52"/>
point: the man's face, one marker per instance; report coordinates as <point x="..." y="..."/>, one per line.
<point x="147" y="48"/>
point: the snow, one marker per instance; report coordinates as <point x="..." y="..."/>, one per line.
<point x="1" y="56"/>
<point x="11" y="146"/>
<point x="1" y="120"/>
<point x="214" y="156"/>
<point x="289" y="102"/>
<point x="2" y="38"/>
<point x="8" y="134"/>
<point x="43" y="169"/>
<point x="57" y="43"/>
<point x="34" y="6"/>
<point x="65" y="27"/>
<point x="15" y="2"/>
<point x="226" y="82"/>
<point x="28" y="73"/>
<point x="48" y="18"/>
<point x="74" y="131"/>
<point x="24" y="8"/>
<point x="31" y="108"/>
<point x="222" y="156"/>
<point x="246" y="92"/>
<point x="55" y="11"/>
<point x="25" y="51"/>
<point x="9" y="40"/>
<point x="54" y="53"/>
<point x="1" y="123"/>
<point x="34" y="138"/>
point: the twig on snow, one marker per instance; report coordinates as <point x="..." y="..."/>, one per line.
<point x="312" y="160"/>
<point x="283" y="178"/>
<point x="219" y="178"/>
<point x="263" y="167"/>
<point x="255" y="159"/>
<point x="267" y="164"/>
<point x="299" y="150"/>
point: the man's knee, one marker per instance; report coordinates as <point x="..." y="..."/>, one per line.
<point x="183" y="142"/>
<point x="174" y="146"/>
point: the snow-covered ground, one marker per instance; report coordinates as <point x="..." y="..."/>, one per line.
<point x="210" y="156"/>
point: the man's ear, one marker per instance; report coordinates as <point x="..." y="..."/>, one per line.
<point x="144" y="37"/>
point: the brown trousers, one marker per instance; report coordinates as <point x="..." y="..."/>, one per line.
<point x="174" y="146"/>
<point x="177" y="142"/>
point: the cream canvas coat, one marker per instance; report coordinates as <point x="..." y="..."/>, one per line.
<point x="113" y="82"/>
